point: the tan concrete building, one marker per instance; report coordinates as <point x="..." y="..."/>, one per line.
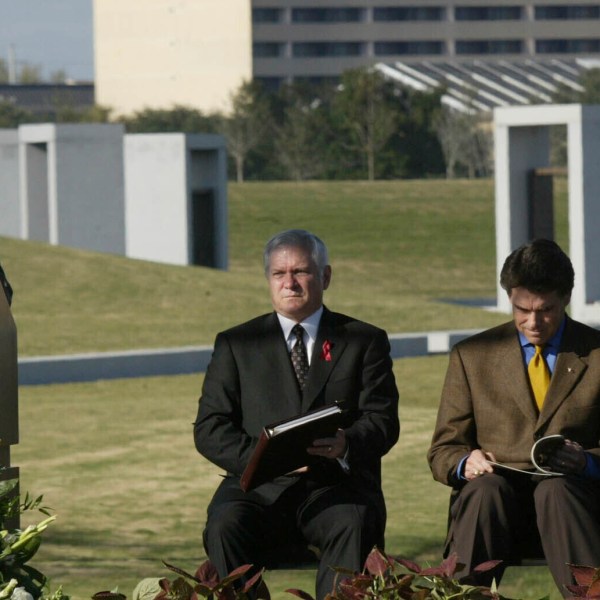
<point x="157" y="53"/>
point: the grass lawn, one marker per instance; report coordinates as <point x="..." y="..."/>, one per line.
<point x="115" y="459"/>
<point x="397" y="249"/>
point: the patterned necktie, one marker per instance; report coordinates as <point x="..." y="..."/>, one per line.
<point x="539" y="376"/>
<point x="299" y="356"/>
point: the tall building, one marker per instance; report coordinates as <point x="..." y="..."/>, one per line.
<point x="158" y="53"/>
<point x="318" y="40"/>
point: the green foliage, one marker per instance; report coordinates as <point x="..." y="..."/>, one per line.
<point x="115" y="458"/>
<point x="17" y="547"/>
<point x="438" y="235"/>
<point x="414" y="151"/>
<point x="247" y="124"/>
<point x="366" y="114"/>
<point x="207" y="584"/>
<point x="365" y="128"/>
<point x="385" y="577"/>
<point x="95" y="114"/>
<point x="9" y="501"/>
<point x="11" y="116"/>
<point x="588" y="94"/>
<point x="3" y="71"/>
<point x="30" y="73"/>
<point x="301" y="133"/>
<point x="180" y="118"/>
<point x="58" y="76"/>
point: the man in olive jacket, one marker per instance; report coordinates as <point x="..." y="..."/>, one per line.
<point x="488" y="413"/>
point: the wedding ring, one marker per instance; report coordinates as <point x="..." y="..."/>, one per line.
<point x="477" y="473"/>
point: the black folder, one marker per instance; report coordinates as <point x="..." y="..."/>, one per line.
<point x="282" y="446"/>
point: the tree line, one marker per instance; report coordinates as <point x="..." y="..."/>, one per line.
<point x="29" y="73"/>
<point x="367" y="127"/>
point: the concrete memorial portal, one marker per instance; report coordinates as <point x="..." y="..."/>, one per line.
<point x="524" y="211"/>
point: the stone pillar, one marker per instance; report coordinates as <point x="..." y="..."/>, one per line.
<point x="9" y="401"/>
<point x="176" y="198"/>
<point x="522" y="145"/>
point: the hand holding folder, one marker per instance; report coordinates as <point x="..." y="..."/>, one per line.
<point x="282" y="446"/>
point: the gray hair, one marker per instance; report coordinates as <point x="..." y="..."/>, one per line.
<point x="297" y="238"/>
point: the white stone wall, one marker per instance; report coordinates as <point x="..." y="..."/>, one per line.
<point x="71" y="185"/>
<point x="158" y="53"/>
<point x="522" y="143"/>
<point x="10" y="209"/>
<point x="163" y="171"/>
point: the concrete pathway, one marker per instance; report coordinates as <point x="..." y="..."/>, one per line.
<point x="43" y="370"/>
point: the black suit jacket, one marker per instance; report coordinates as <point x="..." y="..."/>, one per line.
<point x="250" y="383"/>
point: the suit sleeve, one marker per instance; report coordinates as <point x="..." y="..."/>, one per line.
<point x="377" y="428"/>
<point x="455" y="433"/>
<point x="218" y="432"/>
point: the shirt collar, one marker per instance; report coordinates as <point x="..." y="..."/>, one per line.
<point x="310" y="324"/>
<point x="553" y="342"/>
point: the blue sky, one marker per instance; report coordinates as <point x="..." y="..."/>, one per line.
<point x="53" y="34"/>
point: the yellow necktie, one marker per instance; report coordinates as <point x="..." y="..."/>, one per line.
<point x="539" y="376"/>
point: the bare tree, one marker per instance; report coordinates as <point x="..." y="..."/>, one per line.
<point x="246" y="125"/>
<point x="450" y="128"/>
<point x="465" y="139"/>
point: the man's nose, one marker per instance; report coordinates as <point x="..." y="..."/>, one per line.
<point x="290" y="280"/>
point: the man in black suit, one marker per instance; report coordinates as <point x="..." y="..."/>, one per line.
<point x="336" y="505"/>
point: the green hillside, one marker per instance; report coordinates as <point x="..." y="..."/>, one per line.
<point x="398" y="249"/>
<point x="115" y="459"/>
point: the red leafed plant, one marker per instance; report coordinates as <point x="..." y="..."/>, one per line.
<point x="385" y="577"/>
<point x="206" y="583"/>
<point x="587" y="582"/>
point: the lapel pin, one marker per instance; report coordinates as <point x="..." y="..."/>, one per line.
<point x="569" y="369"/>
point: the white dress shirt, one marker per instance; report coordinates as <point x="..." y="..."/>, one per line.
<point x="310" y="326"/>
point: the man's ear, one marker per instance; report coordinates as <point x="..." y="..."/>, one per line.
<point x="326" y="276"/>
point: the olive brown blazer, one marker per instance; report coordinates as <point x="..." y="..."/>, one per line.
<point x="487" y="402"/>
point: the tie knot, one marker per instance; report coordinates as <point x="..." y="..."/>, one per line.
<point x="298" y="331"/>
<point x="539" y="349"/>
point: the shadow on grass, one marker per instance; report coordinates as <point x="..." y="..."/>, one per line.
<point x="105" y="551"/>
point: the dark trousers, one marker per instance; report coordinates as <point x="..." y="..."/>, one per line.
<point x="342" y="524"/>
<point x="495" y="516"/>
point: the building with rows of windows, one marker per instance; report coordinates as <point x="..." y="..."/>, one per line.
<point x="299" y="40"/>
<point x="158" y="53"/>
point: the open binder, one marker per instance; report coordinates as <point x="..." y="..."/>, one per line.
<point x="282" y="446"/>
